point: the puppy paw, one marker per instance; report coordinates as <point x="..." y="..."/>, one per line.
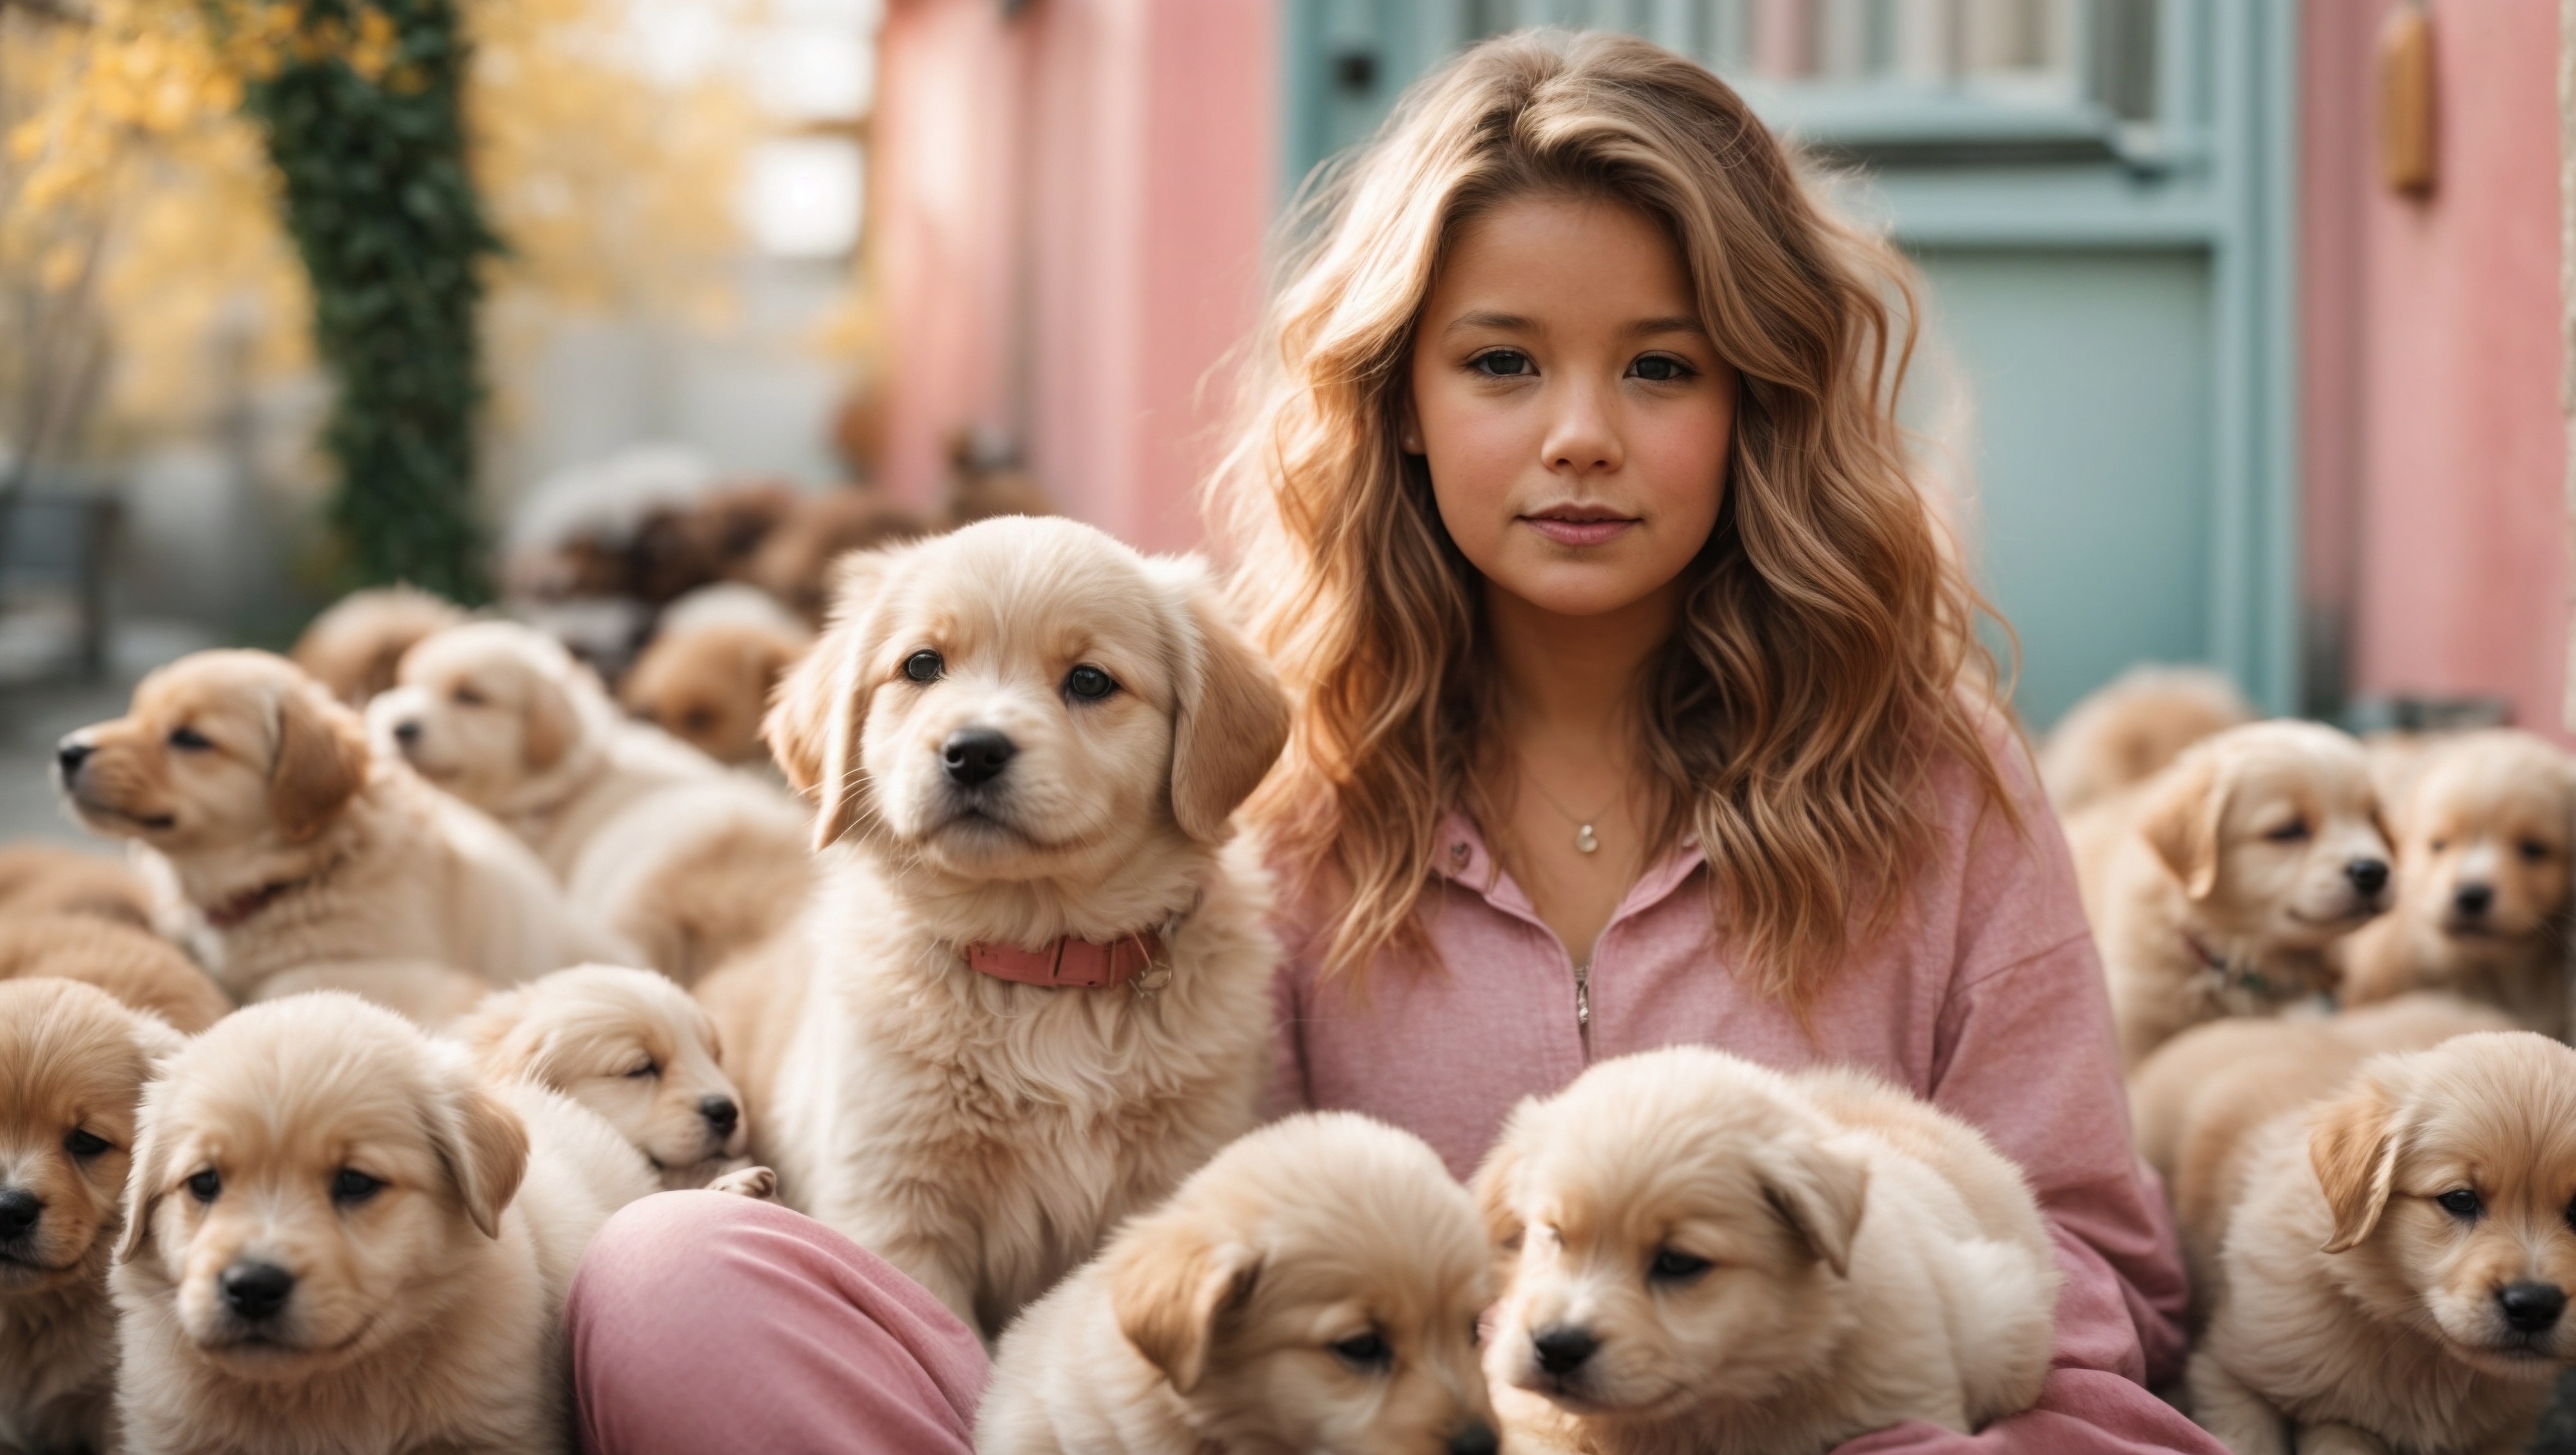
<point x="758" y="1183"/>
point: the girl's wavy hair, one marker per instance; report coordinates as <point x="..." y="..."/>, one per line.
<point x="1826" y="654"/>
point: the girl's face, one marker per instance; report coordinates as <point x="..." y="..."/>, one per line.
<point x="1575" y="416"/>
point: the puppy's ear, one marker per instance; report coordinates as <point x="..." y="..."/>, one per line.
<point x="548" y="725"/>
<point x="1170" y="1288"/>
<point x="321" y="760"/>
<point x="1231" y="723"/>
<point x="484" y="1147"/>
<point x="1496" y="1185"/>
<point x="145" y="1173"/>
<point x="486" y="1030"/>
<point x="2181" y="823"/>
<point x="1820" y="1194"/>
<point x="2352" y="1144"/>
<point x="819" y="706"/>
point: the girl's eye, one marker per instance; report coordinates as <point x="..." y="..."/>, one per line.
<point x="467" y="697"/>
<point x="2292" y="832"/>
<point x="2461" y="1203"/>
<point x="84" y="1145"/>
<point x="1503" y="364"/>
<point x="1367" y="1351"/>
<point x="1089" y="683"/>
<point x="205" y="1186"/>
<point x="1672" y="1265"/>
<point x="923" y="666"/>
<point x="189" y="740"/>
<point x="1661" y="369"/>
<point x="649" y="1068"/>
<point x="351" y="1186"/>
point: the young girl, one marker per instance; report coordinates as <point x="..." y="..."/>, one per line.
<point x="1638" y="704"/>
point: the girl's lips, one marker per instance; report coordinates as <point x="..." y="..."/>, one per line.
<point x="1589" y="532"/>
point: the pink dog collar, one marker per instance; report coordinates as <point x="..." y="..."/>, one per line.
<point x="1071" y="964"/>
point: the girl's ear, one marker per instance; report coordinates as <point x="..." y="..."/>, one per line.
<point x="820" y="704"/>
<point x="1230" y="722"/>
<point x="1408" y="425"/>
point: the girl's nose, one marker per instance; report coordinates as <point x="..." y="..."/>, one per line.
<point x="1583" y="438"/>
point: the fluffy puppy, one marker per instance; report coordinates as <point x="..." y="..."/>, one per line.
<point x="1033" y="988"/>
<point x="629" y="1045"/>
<point x="1315" y="1287"/>
<point x="795" y="563"/>
<point x="42" y="879"/>
<point x="709" y="686"/>
<point x="2126" y="733"/>
<point x="142" y="970"/>
<point x="342" y="1237"/>
<point x="677" y="551"/>
<point x="72" y="1067"/>
<point x="685" y="860"/>
<point x="2395" y="1257"/>
<point x="299" y="846"/>
<point x="2482" y="878"/>
<point x="1705" y="1255"/>
<point x="2215" y="887"/>
<point x="353" y="648"/>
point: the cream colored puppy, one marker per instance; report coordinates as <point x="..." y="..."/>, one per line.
<point x="629" y="1045"/>
<point x="2215" y="887"/>
<point x="354" y="648"/>
<point x="1033" y="994"/>
<point x="340" y="1234"/>
<point x="2127" y="732"/>
<point x="297" y="846"/>
<point x="1315" y="1287"/>
<point x="72" y="1067"/>
<point x="2395" y="1257"/>
<point x="2482" y="878"/>
<point x="687" y="860"/>
<point x="1705" y="1255"/>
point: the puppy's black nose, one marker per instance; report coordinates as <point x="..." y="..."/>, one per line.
<point x="2368" y="875"/>
<point x="721" y="1114"/>
<point x="2531" y="1306"/>
<point x="69" y="755"/>
<point x="1562" y="1348"/>
<point x="254" y="1291"/>
<point x="407" y="732"/>
<point x="976" y="755"/>
<point x="2473" y="899"/>
<point x="19" y="1212"/>
<point x="1475" y="1438"/>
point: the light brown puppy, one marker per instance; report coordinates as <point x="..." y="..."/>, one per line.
<point x="2127" y="732"/>
<point x="2215" y="887"/>
<point x="2482" y="878"/>
<point x="710" y="685"/>
<point x="42" y="879"/>
<point x="629" y="1045"/>
<point x="795" y="562"/>
<point x="353" y="648"/>
<point x="142" y="970"/>
<point x="72" y="1067"/>
<point x="1025" y="741"/>
<point x="340" y="1230"/>
<point x="1705" y="1255"/>
<point x="672" y="851"/>
<point x="298" y="846"/>
<point x="2395" y="1258"/>
<point x="1315" y="1287"/>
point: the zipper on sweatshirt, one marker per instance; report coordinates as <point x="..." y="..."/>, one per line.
<point x="1583" y="1006"/>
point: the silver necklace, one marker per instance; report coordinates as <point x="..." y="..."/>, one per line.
<point x="1585" y="841"/>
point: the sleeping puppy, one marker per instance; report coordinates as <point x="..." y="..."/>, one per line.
<point x="299" y="846"/>
<point x="1032" y="994"/>
<point x="43" y="879"/>
<point x="629" y="1045"/>
<point x="662" y="844"/>
<point x="2482" y="880"/>
<point x="2394" y="1255"/>
<point x="143" y="971"/>
<point x="353" y="648"/>
<point x="2125" y="733"/>
<point x="2215" y="887"/>
<point x="76" y="1062"/>
<point x="1705" y="1255"/>
<point x="1316" y="1287"/>
<point x="338" y="1229"/>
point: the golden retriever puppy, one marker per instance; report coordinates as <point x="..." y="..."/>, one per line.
<point x="42" y="879"/>
<point x="353" y="648"/>
<point x="2215" y="887"/>
<point x="142" y="970"/>
<point x="339" y="1229"/>
<point x="1316" y="1287"/>
<point x="2394" y="1258"/>
<point x="2126" y="733"/>
<point x="629" y="1045"/>
<point x="708" y="686"/>
<point x="683" y="858"/>
<point x="72" y="1067"/>
<point x="1705" y="1255"/>
<point x="299" y="846"/>
<point x="795" y="562"/>
<point x="2482" y="881"/>
<point x="1031" y="996"/>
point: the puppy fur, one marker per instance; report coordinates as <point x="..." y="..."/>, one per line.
<point x="1315" y="1287"/>
<point x="143" y="971"/>
<point x="1705" y="1255"/>
<point x="2394" y="1257"/>
<point x="709" y="686"/>
<point x="629" y="1045"/>
<point x="684" y="859"/>
<point x="342" y="1238"/>
<point x="795" y="562"/>
<point x="979" y="1134"/>
<point x="2127" y="732"/>
<point x="42" y="879"/>
<point x="73" y="1063"/>
<point x="2215" y="887"/>
<point x="353" y="648"/>
<point x="2482" y="874"/>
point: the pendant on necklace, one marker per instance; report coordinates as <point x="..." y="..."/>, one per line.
<point x="1584" y="842"/>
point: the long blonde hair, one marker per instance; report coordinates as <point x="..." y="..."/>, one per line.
<point x="1826" y="653"/>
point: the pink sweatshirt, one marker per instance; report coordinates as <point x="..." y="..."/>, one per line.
<point x="1985" y="997"/>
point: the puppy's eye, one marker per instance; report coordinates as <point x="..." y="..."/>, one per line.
<point x="2461" y="1202"/>
<point x="2293" y="832"/>
<point x="205" y="1186"/>
<point x="2439" y="845"/>
<point x="467" y="697"/>
<point x="1672" y="1265"/>
<point x="698" y="719"/>
<point x="1089" y="683"/>
<point x="2532" y="851"/>
<point x="924" y="666"/>
<point x="349" y="1186"/>
<point x="189" y="740"/>
<point x="1367" y="1352"/>
<point x="648" y="1069"/>
<point x="84" y="1144"/>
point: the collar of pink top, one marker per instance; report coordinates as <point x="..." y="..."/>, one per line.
<point x="1464" y="859"/>
<point x="1070" y="964"/>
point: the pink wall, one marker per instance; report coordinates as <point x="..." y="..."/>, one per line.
<point x="1071" y="206"/>
<point x="2432" y="437"/>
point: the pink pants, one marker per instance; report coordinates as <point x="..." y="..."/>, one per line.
<point x="702" y="1322"/>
